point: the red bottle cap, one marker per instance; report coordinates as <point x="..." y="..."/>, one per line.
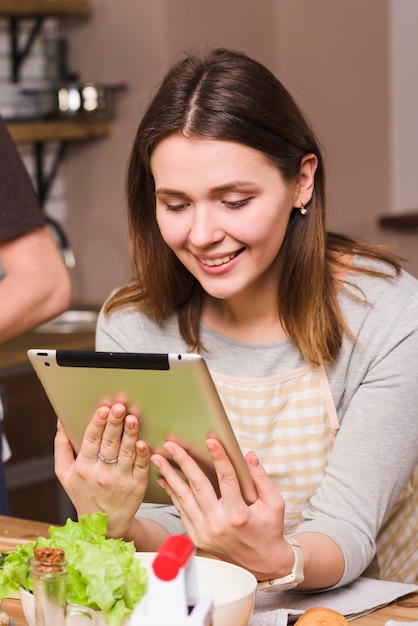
<point x="173" y="554"/>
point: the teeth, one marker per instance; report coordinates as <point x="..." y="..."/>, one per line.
<point x="220" y="261"/>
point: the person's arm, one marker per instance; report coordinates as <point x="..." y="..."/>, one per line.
<point x="36" y="285"/>
<point x="375" y="452"/>
<point x="146" y="534"/>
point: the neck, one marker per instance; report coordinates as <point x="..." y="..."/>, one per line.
<point x="254" y="321"/>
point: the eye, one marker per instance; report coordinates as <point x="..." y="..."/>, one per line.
<point x="176" y="207"/>
<point x="237" y="204"/>
<point x="174" y="202"/>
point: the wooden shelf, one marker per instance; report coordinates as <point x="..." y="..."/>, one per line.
<point x="59" y="130"/>
<point x="44" y="7"/>
<point x="406" y="222"/>
<point x="63" y="131"/>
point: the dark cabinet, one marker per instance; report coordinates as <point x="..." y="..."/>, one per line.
<point x="30" y="425"/>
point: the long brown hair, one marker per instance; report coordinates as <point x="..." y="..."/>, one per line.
<point x="226" y="95"/>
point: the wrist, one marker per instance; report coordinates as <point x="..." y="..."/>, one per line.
<point x="296" y="576"/>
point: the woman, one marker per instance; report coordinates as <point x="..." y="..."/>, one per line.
<point x="311" y="338"/>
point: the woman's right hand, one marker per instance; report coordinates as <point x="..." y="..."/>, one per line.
<point x="93" y="485"/>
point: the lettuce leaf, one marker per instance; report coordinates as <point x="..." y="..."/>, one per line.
<point x="103" y="574"/>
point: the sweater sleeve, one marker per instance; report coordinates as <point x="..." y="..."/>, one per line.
<point x="376" y="449"/>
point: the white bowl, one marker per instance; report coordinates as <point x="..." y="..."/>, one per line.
<point x="231" y="587"/>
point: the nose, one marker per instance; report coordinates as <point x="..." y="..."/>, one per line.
<point x="204" y="229"/>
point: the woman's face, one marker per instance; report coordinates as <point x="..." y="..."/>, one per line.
<point x="223" y="209"/>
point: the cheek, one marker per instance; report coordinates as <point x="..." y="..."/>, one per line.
<point x="268" y="231"/>
<point x="170" y="230"/>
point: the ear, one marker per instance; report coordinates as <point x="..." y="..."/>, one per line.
<point x="306" y="183"/>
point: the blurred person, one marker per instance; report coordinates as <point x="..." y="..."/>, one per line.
<point x="35" y="284"/>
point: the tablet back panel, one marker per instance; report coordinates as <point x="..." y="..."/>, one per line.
<point x="174" y="392"/>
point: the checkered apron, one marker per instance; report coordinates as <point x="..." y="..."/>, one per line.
<point x="290" y="421"/>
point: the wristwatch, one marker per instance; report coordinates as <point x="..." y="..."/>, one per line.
<point x="291" y="580"/>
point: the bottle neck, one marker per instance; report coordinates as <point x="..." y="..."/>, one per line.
<point x="49" y="578"/>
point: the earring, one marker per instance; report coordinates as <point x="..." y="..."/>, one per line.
<point x="302" y="209"/>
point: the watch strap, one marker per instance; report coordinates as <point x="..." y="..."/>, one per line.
<point x="296" y="576"/>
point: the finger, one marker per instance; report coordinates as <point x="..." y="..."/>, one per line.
<point x="120" y="399"/>
<point x="170" y="480"/>
<point x="178" y="497"/>
<point x="178" y="500"/>
<point x="137" y="467"/>
<point x="129" y="453"/>
<point x="142" y="457"/>
<point x="63" y="453"/>
<point x="113" y="434"/>
<point x="198" y="487"/>
<point x="229" y="486"/>
<point x="266" y="489"/>
<point x="93" y="435"/>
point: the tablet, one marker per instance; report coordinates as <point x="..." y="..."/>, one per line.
<point x="175" y="393"/>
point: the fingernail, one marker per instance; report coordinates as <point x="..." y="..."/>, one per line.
<point x="254" y="460"/>
<point x="156" y="461"/>
<point x="170" y="448"/>
<point x="211" y="446"/>
<point x="103" y="412"/>
<point x="130" y="422"/>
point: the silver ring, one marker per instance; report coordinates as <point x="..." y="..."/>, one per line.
<point x="104" y="458"/>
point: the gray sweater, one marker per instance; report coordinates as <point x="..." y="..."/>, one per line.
<point x="374" y="384"/>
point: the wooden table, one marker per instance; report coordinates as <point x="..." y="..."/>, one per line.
<point x="14" y="531"/>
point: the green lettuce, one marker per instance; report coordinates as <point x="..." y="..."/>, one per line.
<point x="103" y="574"/>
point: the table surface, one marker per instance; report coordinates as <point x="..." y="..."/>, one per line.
<point x="13" y="354"/>
<point x="14" y="531"/>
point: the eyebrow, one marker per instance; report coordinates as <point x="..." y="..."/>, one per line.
<point x="225" y="187"/>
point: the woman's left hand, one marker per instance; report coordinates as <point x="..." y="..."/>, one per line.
<point x="110" y="473"/>
<point x="250" y="535"/>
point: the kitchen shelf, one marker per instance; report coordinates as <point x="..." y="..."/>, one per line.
<point x="406" y="222"/>
<point x="40" y="132"/>
<point x="44" y="7"/>
<point x="64" y="130"/>
<point x="37" y="10"/>
<point x="70" y="129"/>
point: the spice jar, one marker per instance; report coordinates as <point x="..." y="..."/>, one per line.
<point x="49" y="576"/>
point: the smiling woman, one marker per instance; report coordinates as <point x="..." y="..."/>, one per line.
<point x="231" y="258"/>
<point x="223" y="209"/>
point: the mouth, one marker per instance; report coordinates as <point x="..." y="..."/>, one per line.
<point x="222" y="260"/>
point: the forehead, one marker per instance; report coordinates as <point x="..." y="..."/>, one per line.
<point x="179" y="158"/>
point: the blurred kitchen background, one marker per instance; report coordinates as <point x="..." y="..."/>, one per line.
<point x="351" y="66"/>
<point x="348" y="64"/>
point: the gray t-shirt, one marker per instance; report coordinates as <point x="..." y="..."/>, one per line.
<point x="374" y="385"/>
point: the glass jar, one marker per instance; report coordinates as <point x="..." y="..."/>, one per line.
<point x="49" y="575"/>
